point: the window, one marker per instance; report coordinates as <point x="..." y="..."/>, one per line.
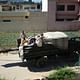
<point x="32" y="7"/>
<point x="38" y="6"/>
<point x="60" y="7"/>
<point x="69" y="19"/>
<point x="13" y="8"/>
<point x="26" y="7"/>
<point x="6" y="20"/>
<point x="26" y="16"/>
<point x="71" y="7"/>
<point x="59" y="19"/>
<point x="17" y="7"/>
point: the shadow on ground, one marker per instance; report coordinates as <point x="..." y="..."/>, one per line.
<point x="21" y="64"/>
<point x="53" y="63"/>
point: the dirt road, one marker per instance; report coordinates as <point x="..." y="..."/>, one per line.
<point x="12" y="68"/>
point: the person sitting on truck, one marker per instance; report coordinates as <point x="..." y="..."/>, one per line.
<point x="22" y="34"/>
<point x="23" y="37"/>
<point x="24" y="42"/>
<point x="38" y="40"/>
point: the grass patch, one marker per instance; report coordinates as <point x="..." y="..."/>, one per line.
<point x="9" y="39"/>
<point x="2" y="78"/>
<point x="73" y="33"/>
<point x="63" y="74"/>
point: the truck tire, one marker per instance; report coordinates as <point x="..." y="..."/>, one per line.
<point x="41" y="61"/>
<point x="31" y="61"/>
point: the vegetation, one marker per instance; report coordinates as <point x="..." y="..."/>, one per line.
<point x="63" y="74"/>
<point x="73" y="33"/>
<point x="2" y="78"/>
<point x="8" y="39"/>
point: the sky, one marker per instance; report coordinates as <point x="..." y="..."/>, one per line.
<point x="36" y="0"/>
<point x="24" y="0"/>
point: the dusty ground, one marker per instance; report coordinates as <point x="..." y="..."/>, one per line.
<point x="12" y="68"/>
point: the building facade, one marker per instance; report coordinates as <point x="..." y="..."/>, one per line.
<point x="27" y="16"/>
<point x="63" y="15"/>
<point x="16" y="21"/>
<point x="13" y="6"/>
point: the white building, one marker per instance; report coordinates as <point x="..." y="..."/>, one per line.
<point x="12" y="6"/>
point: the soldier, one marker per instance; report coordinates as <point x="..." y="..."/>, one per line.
<point x="24" y="39"/>
<point x="39" y="40"/>
<point x="24" y="42"/>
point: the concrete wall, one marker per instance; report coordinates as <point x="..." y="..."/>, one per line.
<point x="36" y="22"/>
<point x="0" y="8"/>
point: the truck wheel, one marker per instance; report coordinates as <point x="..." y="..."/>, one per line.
<point x="41" y="61"/>
<point x="32" y="62"/>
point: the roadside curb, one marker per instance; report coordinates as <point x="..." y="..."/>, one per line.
<point x="7" y="50"/>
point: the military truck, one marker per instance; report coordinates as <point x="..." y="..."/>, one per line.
<point x="54" y="44"/>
